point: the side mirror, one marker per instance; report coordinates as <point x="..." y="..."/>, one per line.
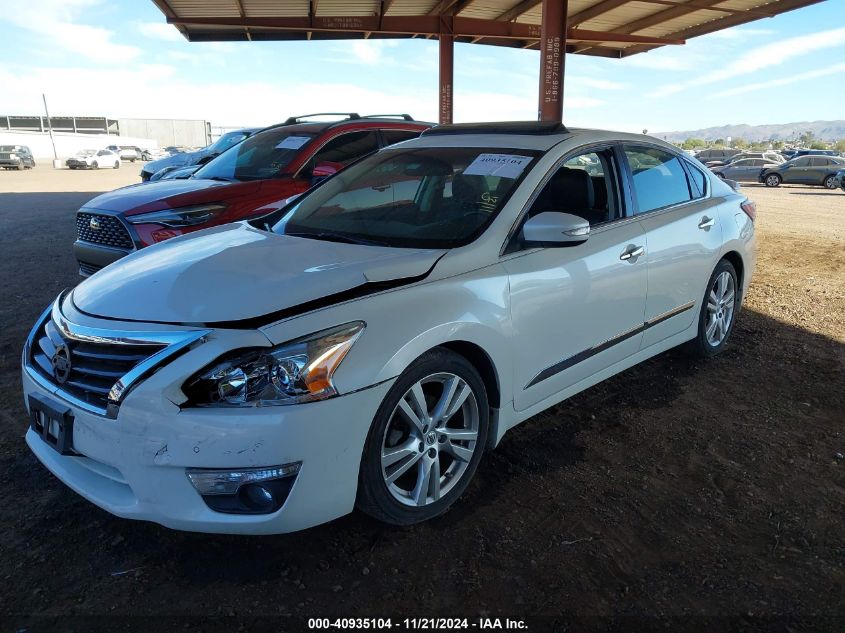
<point x="554" y="228"/>
<point x="323" y="170"/>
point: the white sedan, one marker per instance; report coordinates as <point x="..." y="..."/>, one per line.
<point x="94" y="159"/>
<point x="368" y="342"/>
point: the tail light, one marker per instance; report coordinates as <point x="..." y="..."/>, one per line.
<point x="750" y="208"/>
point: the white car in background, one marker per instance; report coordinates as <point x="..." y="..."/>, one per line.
<point x="126" y="152"/>
<point x="94" y="159"/>
<point x="368" y="342"/>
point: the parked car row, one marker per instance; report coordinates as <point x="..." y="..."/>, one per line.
<point x="363" y="344"/>
<point x="807" y="169"/>
<point x="251" y="178"/>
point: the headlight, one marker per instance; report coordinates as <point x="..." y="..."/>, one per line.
<point x="183" y="216"/>
<point x="295" y="372"/>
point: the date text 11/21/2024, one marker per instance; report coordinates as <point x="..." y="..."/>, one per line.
<point x="417" y="624"/>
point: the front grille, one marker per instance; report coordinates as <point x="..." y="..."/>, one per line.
<point x="94" y="367"/>
<point x="111" y="231"/>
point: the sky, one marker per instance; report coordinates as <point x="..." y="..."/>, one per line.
<point x="118" y="58"/>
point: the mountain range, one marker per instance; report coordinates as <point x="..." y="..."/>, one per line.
<point x="825" y="130"/>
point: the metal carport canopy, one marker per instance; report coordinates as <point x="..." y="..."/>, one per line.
<point x="606" y="28"/>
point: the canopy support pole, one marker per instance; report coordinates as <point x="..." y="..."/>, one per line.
<point x="552" y="59"/>
<point x="447" y="45"/>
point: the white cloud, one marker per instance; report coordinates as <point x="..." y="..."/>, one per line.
<point x="761" y="57"/>
<point x="783" y="81"/>
<point x="593" y="82"/>
<point x="160" y="31"/>
<point x="741" y="33"/>
<point x="53" y="21"/>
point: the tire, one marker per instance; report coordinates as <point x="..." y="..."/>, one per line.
<point x="773" y="180"/>
<point x="117" y="164"/>
<point x="829" y="182"/>
<point x="95" y="165"/>
<point x="718" y="312"/>
<point x="400" y="500"/>
<point x="21" y="167"/>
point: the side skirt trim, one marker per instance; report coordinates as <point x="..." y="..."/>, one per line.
<point x="583" y="355"/>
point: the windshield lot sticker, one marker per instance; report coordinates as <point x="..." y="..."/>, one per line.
<point x="293" y="142"/>
<point x="499" y="165"/>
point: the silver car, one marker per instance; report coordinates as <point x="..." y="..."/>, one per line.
<point x="366" y="344"/>
<point x="744" y="170"/>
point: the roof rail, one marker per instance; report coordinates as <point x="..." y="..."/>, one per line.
<point x="499" y="127"/>
<point x="297" y="119"/>
<point x="406" y="117"/>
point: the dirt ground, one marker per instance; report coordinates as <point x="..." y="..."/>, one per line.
<point x="703" y="494"/>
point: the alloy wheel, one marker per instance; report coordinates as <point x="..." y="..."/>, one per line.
<point x="430" y="439"/>
<point x="721" y="304"/>
<point x="772" y="181"/>
<point x="830" y="182"/>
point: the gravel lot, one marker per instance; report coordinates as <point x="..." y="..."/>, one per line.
<point x="679" y="488"/>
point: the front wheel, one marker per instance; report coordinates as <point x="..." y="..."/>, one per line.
<point x="718" y="309"/>
<point x="773" y="180"/>
<point x="830" y="182"/>
<point x="95" y="165"/>
<point x="117" y="164"/>
<point x="426" y="440"/>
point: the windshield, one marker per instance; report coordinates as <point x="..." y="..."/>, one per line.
<point x="413" y="198"/>
<point x="225" y="142"/>
<point x="87" y="152"/>
<point x="263" y="155"/>
<point x="9" y="148"/>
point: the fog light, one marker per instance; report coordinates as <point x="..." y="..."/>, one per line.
<point x="257" y="496"/>
<point x="244" y="491"/>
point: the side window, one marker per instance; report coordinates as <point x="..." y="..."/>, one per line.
<point x="397" y="136"/>
<point x="699" y="180"/>
<point x="346" y="148"/>
<point x="802" y="162"/>
<point x="584" y="186"/>
<point x="659" y="178"/>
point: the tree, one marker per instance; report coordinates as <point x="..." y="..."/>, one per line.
<point x="818" y="145"/>
<point x="719" y="142"/>
<point x="806" y="138"/>
<point x="693" y="143"/>
<point x="839" y="146"/>
<point x="777" y="145"/>
<point x="740" y="143"/>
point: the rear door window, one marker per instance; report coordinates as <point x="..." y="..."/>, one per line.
<point x="658" y="177"/>
<point x="347" y="148"/>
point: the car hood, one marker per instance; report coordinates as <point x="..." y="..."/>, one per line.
<point x="238" y="276"/>
<point x="138" y="198"/>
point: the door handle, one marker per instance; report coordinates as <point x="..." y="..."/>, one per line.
<point x="632" y="252"/>
<point x="706" y="223"/>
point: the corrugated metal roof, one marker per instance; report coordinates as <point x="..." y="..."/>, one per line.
<point x="609" y="28"/>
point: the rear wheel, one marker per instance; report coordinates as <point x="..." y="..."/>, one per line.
<point x="95" y="165"/>
<point x="773" y="180"/>
<point x="718" y="309"/>
<point x="426" y="440"/>
<point x="830" y="182"/>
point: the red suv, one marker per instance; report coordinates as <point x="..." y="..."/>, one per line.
<point x="246" y="181"/>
